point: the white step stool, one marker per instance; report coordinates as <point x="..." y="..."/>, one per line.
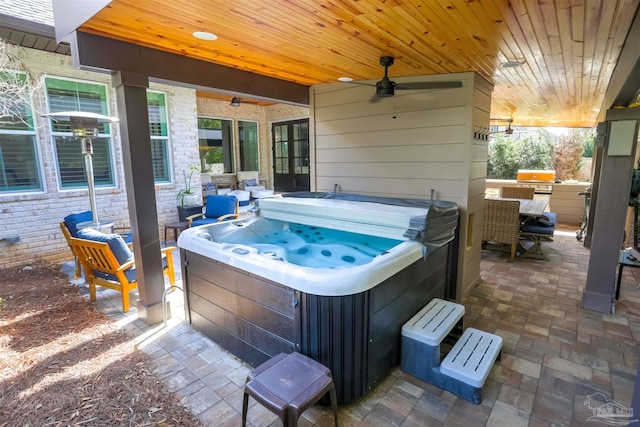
<point x="465" y="368"/>
<point x="472" y="357"/>
<point x="434" y="322"/>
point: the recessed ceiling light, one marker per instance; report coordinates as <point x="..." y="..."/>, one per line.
<point x="511" y="64"/>
<point x="204" y="35"/>
<point x="345" y="79"/>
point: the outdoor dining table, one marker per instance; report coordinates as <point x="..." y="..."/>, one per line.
<point x="530" y="208"/>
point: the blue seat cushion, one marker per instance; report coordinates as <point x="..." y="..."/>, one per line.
<point x="540" y="226"/>
<point x="220" y="205"/>
<point x="72" y="221"/>
<point x="547" y="218"/>
<point x="129" y="273"/>
<point x="203" y="221"/>
<point x="116" y="243"/>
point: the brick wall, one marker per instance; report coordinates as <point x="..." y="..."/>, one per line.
<point x="34" y="217"/>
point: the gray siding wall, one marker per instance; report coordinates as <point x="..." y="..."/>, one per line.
<point x="406" y="145"/>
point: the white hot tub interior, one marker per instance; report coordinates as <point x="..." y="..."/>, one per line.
<point x="300" y="244"/>
<point x="319" y="246"/>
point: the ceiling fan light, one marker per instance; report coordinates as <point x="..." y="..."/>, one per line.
<point x="511" y="64"/>
<point x="235" y="102"/>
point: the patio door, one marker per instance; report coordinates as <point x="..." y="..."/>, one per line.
<point x="291" y="155"/>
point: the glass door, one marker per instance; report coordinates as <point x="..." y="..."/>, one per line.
<point x="291" y="155"/>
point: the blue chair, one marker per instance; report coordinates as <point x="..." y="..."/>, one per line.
<point x="217" y="209"/>
<point x="69" y="228"/>
<point x="108" y="262"/>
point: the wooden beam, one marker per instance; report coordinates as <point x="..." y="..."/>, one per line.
<point x="97" y="53"/>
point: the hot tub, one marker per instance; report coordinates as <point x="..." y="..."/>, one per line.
<point x="334" y="279"/>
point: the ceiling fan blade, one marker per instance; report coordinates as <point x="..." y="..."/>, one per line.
<point x="428" y="85"/>
<point x="363" y="84"/>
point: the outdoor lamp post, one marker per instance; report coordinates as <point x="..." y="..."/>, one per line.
<point x="84" y="125"/>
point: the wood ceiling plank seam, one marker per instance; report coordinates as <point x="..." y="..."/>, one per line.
<point x="486" y="66"/>
<point x="399" y="51"/>
<point x="338" y="48"/>
<point x="450" y="30"/>
<point x="474" y="15"/>
<point x="591" y="13"/>
<point x="415" y="27"/>
<point x="623" y="18"/>
<point x="488" y="9"/>
<point x="602" y="42"/>
<point x="429" y="53"/>
<point x="492" y="16"/>
<point x="556" y="54"/>
<point x="514" y="36"/>
<point x="350" y="26"/>
<point x="480" y="31"/>
<point x="539" y="27"/>
<point x="255" y="66"/>
<point x="526" y="25"/>
<point x="367" y="60"/>
<point x="537" y="77"/>
<point x="564" y="27"/>
<point x="190" y="42"/>
<point x="509" y="41"/>
<point x="520" y="28"/>
<point x="577" y="37"/>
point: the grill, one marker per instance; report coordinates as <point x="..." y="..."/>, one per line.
<point x="541" y="180"/>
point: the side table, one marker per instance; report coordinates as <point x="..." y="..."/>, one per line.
<point x="624" y="259"/>
<point x="177" y="227"/>
<point x="288" y="385"/>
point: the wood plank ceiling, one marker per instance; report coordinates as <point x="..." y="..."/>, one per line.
<point x="568" y="48"/>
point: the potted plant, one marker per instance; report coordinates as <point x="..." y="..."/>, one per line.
<point x="186" y="196"/>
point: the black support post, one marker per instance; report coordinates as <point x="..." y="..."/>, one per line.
<point x="131" y="95"/>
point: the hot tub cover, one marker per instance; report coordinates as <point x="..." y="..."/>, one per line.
<point x="430" y="222"/>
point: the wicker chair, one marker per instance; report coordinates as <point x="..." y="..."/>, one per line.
<point x="517" y="192"/>
<point x="502" y="223"/>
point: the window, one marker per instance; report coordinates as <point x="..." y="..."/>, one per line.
<point x="71" y="95"/>
<point x="248" y="136"/>
<point x="159" y="135"/>
<point x="19" y="169"/>
<point x="215" y="138"/>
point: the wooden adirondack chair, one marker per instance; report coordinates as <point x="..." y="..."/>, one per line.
<point x="112" y="270"/>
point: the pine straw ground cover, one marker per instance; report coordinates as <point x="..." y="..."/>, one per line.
<point x="63" y="363"/>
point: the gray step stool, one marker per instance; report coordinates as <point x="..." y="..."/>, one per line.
<point x="465" y="368"/>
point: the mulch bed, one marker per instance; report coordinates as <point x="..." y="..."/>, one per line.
<point x="63" y="363"/>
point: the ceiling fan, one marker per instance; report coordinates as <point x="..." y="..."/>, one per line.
<point x="386" y="87"/>
<point x="508" y="130"/>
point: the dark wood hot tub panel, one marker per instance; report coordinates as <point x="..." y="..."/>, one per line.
<point x="252" y="318"/>
<point x="358" y="336"/>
